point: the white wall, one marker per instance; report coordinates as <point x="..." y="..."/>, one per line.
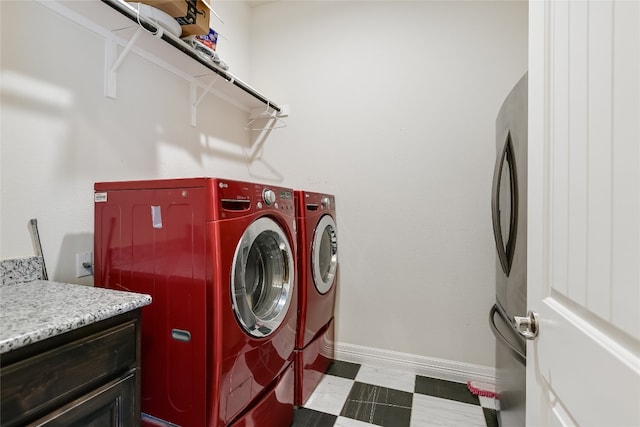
<point x="59" y="134"/>
<point x="392" y="109"/>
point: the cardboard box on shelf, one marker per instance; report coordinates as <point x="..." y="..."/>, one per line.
<point x="192" y="15"/>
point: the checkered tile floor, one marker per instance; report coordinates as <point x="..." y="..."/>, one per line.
<point x="352" y="395"/>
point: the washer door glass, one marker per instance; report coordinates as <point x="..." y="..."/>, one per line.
<point x="324" y="254"/>
<point x="262" y="277"/>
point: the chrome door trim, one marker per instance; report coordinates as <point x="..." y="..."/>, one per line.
<point x="323" y="280"/>
<point x="260" y="317"/>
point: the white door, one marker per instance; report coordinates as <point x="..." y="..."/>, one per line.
<point x="584" y="213"/>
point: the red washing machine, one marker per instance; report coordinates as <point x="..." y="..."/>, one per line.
<point x="317" y="273"/>
<point x="218" y="258"/>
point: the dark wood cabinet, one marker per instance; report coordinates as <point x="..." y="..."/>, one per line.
<point x="86" y="377"/>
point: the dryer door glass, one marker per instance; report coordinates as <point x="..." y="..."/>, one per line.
<point x="262" y="277"/>
<point x="324" y="254"/>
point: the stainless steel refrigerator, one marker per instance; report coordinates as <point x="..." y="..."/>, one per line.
<point x="509" y="213"/>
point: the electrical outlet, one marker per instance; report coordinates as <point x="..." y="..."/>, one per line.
<point x="84" y="264"/>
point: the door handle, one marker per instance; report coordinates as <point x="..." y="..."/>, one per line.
<point x="181" y="335"/>
<point x="521" y="357"/>
<point x="506" y="158"/>
<point x="527" y="326"/>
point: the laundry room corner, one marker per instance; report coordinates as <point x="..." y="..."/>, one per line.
<point x="392" y="109"/>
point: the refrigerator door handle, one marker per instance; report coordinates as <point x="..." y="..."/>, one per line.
<point x="505" y="253"/>
<point x="503" y="340"/>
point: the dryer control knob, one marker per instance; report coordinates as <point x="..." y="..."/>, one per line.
<point x="326" y="202"/>
<point x="268" y="196"/>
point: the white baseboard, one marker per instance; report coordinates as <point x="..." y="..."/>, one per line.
<point x="426" y="366"/>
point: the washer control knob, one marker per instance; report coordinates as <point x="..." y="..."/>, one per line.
<point x="268" y="196"/>
<point x="326" y="202"/>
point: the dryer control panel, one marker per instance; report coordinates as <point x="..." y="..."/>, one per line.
<point x="310" y="204"/>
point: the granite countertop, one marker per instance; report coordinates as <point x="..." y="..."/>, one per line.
<point x="40" y="309"/>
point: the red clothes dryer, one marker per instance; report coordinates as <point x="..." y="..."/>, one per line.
<point x="218" y="258"/>
<point x="317" y="273"/>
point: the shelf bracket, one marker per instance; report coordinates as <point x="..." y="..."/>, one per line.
<point x="194" y="99"/>
<point x="113" y="61"/>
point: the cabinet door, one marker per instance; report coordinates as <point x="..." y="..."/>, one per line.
<point x="108" y="406"/>
<point x="50" y="379"/>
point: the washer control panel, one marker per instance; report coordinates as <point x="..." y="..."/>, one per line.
<point x="242" y="197"/>
<point x="269" y="196"/>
